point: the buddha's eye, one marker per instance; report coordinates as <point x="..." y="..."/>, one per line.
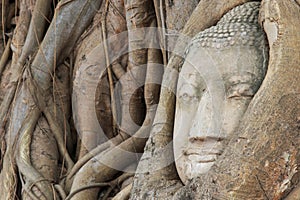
<point x="185" y="97"/>
<point x="189" y="98"/>
<point x="240" y="90"/>
<point x="189" y="93"/>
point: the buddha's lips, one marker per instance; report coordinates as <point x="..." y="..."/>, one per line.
<point x="202" y="158"/>
<point x="203" y="152"/>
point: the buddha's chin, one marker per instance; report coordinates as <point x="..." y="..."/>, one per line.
<point x="195" y="169"/>
<point x="188" y="169"/>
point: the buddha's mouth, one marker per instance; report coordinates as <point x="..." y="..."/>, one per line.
<point x="201" y="151"/>
<point x="202" y="158"/>
<point x="202" y="155"/>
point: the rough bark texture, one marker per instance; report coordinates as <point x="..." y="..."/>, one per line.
<point x="177" y="14"/>
<point x="261" y="162"/>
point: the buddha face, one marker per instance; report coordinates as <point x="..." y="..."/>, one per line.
<point x="214" y="89"/>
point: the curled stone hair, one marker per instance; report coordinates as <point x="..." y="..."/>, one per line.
<point x="238" y="27"/>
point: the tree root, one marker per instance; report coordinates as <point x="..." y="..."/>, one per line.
<point x="4" y="14"/>
<point x="58" y="134"/>
<point x="55" y="127"/>
<point x="31" y="190"/>
<point x="111" y="184"/>
<point x="36" y="29"/>
<point x="158" y="7"/>
<point x="23" y="123"/>
<point x="60" y="191"/>
<point x="109" y="71"/>
<point x="5" y="56"/>
<point x="97" y="150"/>
<point x="123" y="194"/>
<point x="23" y="155"/>
<point x="122" y="155"/>
<point x="95" y="185"/>
<point x="17" y="40"/>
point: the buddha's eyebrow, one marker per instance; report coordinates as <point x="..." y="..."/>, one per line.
<point x="193" y="77"/>
<point x="195" y="86"/>
<point x="246" y="76"/>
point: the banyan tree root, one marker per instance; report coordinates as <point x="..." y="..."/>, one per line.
<point x="40" y="173"/>
<point x="23" y="158"/>
<point x="107" y="164"/>
<point x="44" y="155"/>
<point x="151" y="85"/>
<point x="36" y="29"/>
<point x="88" y="90"/>
<point x="41" y="67"/>
<point x="124" y="193"/>
<point x="44" y="150"/>
<point x="8" y="174"/>
<point x="94" y="152"/>
<point x="5" y="56"/>
<point x="27" y="37"/>
<point x="112" y="184"/>
<point x="17" y="42"/>
<point x="37" y="155"/>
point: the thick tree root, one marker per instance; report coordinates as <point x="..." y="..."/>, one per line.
<point x="23" y="156"/>
<point x="123" y="194"/>
<point x="60" y="191"/>
<point x="16" y="44"/>
<point x="95" y="185"/>
<point x="111" y="184"/>
<point x="103" y="167"/>
<point x="58" y="134"/>
<point x="97" y="150"/>
<point x="24" y="117"/>
<point x="5" y="56"/>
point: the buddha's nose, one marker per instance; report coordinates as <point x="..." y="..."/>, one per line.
<point x="206" y="130"/>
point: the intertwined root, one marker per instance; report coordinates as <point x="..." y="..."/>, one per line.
<point x="39" y="190"/>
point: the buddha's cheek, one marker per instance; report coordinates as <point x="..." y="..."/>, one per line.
<point x="183" y="121"/>
<point x="234" y="111"/>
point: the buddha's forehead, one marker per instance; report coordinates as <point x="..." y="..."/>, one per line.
<point x="233" y="60"/>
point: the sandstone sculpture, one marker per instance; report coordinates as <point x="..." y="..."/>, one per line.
<point x="224" y="67"/>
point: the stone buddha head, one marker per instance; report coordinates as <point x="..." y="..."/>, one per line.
<point x="223" y="69"/>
